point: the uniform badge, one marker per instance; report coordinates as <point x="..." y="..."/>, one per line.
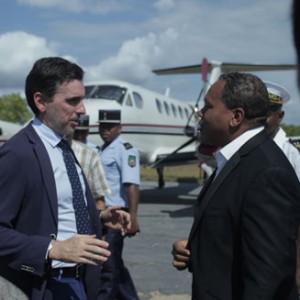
<point x="127" y="146"/>
<point x="131" y="161"/>
<point x="295" y="143"/>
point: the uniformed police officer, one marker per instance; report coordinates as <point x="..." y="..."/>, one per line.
<point x="122" y="169"/>
<point x="278" y="96"/>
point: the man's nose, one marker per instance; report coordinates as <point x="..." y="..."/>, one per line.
<point x="80" y="108"/>
<point x="200" y="112"/>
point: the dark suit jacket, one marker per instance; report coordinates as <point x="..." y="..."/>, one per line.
<point x="242" y="241"/>
<point x="29" y="213"/>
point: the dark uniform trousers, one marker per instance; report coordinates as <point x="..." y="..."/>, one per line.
<point x="116" y="282"/>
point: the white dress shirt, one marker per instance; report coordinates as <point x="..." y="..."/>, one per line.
<point x="225" y="153"/>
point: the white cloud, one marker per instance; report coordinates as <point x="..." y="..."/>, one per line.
<point x="155" y="34"/>
<point x="18" y="51"/>
<point x="136" y="58"/>
<point x="164" y="4"/>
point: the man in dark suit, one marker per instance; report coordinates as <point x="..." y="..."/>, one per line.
<point x="242" y="242"/>
<point x="44" y="250"/>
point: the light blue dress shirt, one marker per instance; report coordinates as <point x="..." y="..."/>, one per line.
<point x="121" y="165"/>
<point x="66" y="214"/>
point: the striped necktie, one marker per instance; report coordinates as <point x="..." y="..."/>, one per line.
<point x="83" y="222"/>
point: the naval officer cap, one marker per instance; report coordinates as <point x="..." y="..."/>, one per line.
<point x="83" y="122"/>
<point x="278" y="95"/>
<point x="110" y="116"/>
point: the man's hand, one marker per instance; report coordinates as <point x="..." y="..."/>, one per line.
<point x="135" y="227"/>
<point x="81" y="249"/>
<point x="115" y="218"/>
<point x="181" y="255"/>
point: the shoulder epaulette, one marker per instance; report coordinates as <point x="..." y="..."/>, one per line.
<point x="295" y="143"/>
<point x="127" y="146"/>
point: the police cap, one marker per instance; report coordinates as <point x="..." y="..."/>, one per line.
<point x="110" y="116"/>
<point x="84" y="122"/>
<point x="278" y="95"/>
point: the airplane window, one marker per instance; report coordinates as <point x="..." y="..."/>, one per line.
<point x="186" y="113"/>
<point x="167" y="108"/>
<point x="180" y="112"/>
<point x="138" y="100"/>
<point x="129" y="101"/>
<point x="107" y="92"/>
<point x="174" y="110"/>
<point x="158" y="105"/>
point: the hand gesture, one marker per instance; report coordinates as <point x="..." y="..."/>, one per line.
<point x="115" y="218"/>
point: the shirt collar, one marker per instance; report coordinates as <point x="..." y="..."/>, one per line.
<point x="225" y="153"/>
<point x="46" y="133"/>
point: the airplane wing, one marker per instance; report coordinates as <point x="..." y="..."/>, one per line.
<point x="176" y="159"/>
<point x="226" y="67"/>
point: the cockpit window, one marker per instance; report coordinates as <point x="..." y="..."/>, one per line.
<point x="108" y="92"/>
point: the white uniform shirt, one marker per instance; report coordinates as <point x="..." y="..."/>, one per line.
<point x="289" y="150"/>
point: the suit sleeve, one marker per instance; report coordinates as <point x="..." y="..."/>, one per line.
<point x="20" y="250"/>
<point x="269" y="231"/>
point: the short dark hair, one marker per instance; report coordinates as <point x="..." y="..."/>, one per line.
<point x="46" y="75"/>
<point x="246" y="91"/>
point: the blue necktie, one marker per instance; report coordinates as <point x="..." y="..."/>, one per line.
<point x="83" y="223"/>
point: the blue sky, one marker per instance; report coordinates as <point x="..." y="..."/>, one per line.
<point x="126" y="39"/>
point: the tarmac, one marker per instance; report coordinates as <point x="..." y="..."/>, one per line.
<point x="165" y="215"/>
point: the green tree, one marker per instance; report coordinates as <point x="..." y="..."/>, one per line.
<point x="14" y="109"/>
<point x="291" y="130"/>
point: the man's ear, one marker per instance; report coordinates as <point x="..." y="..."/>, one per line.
<point x="40" y="102"/>
<point x="238" y="116"/>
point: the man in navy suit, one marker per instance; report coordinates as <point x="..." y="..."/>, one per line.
<point x="242" y="244"/>
<point x="41" y="251"/>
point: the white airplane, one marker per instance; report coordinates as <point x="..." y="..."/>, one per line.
<point x="7" y="130"/>
<point x="156" y="124"/>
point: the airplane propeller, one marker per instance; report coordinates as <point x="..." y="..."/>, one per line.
<point x="189" y="131"/>
<point x="204" y="71"/>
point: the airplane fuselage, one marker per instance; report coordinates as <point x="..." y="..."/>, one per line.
<point x="153" y="123"/>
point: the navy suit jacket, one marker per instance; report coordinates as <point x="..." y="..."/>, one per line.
<point x="29" y="214"/>
<point x="242" y="241"/>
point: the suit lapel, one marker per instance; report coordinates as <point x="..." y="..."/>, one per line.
<point x="207" y="193"/>
<point x="46" y="170"/>
<point x="205" y="196"/>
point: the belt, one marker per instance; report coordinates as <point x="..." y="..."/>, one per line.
<point x="71" y="272"/>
